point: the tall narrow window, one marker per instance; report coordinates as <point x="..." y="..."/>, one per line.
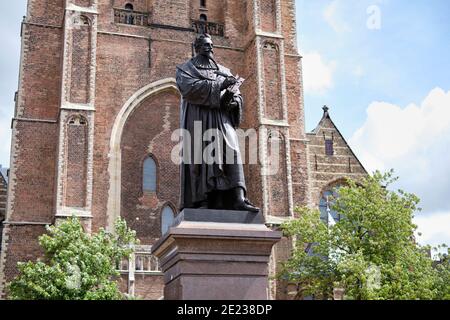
<point x="149" y="176"/>
<point x="203" y="3"/>
<point x="329" y="150"/>
<point x="167" y="218"/>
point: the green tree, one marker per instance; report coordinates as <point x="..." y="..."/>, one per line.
<point x="76" y="265"/>
<point x="443" y="268"/>
<point x="370" y="252"/>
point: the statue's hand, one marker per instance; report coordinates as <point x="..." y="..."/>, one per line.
<point x="233" y="105"/>
<point x="228" y="82"/>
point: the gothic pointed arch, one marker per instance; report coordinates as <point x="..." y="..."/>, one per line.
<point x="157" y="95"/>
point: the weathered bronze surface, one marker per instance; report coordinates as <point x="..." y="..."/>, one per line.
<point x="211" y="109"/>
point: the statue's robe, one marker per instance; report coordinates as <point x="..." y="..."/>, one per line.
<point x="201" y="101"/>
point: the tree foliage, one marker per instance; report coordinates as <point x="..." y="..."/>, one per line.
<point x="371" y="252"/>
<point x="76" y="265"/>
<point x="443" y="268"/>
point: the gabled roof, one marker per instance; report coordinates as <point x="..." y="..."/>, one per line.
<point x="326" y="116"/>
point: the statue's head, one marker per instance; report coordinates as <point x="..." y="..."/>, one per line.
<point x="204" y="46"/>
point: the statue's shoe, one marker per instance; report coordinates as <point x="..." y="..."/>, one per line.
<point x="202" y="205"/>
<point x="246" y="205"/>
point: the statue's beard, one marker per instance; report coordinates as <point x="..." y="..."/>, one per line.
<point x="208" y="55"/>
<point x="206" y="61"/>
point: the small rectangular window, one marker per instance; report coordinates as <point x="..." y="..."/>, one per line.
<point x="329" y="150"/>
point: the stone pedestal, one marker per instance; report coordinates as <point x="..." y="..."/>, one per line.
<point x="216" y="255"/>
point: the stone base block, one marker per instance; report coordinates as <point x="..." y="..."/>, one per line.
<point x="212" y="260"/>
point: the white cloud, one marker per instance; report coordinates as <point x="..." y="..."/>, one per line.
<point x="392" y="134"/>
<point x="317" y="73"/>
<point x="332" y="17"/>
<point x="434" y="228"/>
<point x="414" y="141"/>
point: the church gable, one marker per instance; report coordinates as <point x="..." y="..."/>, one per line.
<point x="330" y="158"/>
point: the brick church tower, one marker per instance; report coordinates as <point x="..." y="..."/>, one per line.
<point x="97" y="104"/>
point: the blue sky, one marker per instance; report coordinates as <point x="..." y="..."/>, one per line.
<point x="9" y="70"/>
<point x="400" y="62"/>
<point x="388" y="88"/>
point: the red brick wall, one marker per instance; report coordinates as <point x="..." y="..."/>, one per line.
<point x="82" y="3"/>
<point x="250" y="118"/>
<point x="33" y="169"/>
<point x="41" y="81"/>
<point x="252" y="174"/>
<point x="149" y="287"/>
<point x="165" y="58"/>
<point x="215" y="10"/>
<point x="20" y="248"/>
<point x="46" y="12"/>
<point x="34" y="164"/>
<point x="148" y="131"/>
<point x="122" y="69"/>
<point x="146" y="287"/>
<point x="138" y="5"/>
<point x="299" y="173"/>
<point x="249" y="89"/>
<point x="294" y="97"/>
<point x="236" y="20"/>
<point x="289" y="27"/>
<point x="174" y="13"/>
<point x="129" y="58"/>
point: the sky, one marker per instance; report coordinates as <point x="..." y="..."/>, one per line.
<point x="9" y="70"/>
<point x="382" y="66"/>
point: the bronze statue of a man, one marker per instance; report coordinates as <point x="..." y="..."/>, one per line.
<point x="210" y="114"/>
